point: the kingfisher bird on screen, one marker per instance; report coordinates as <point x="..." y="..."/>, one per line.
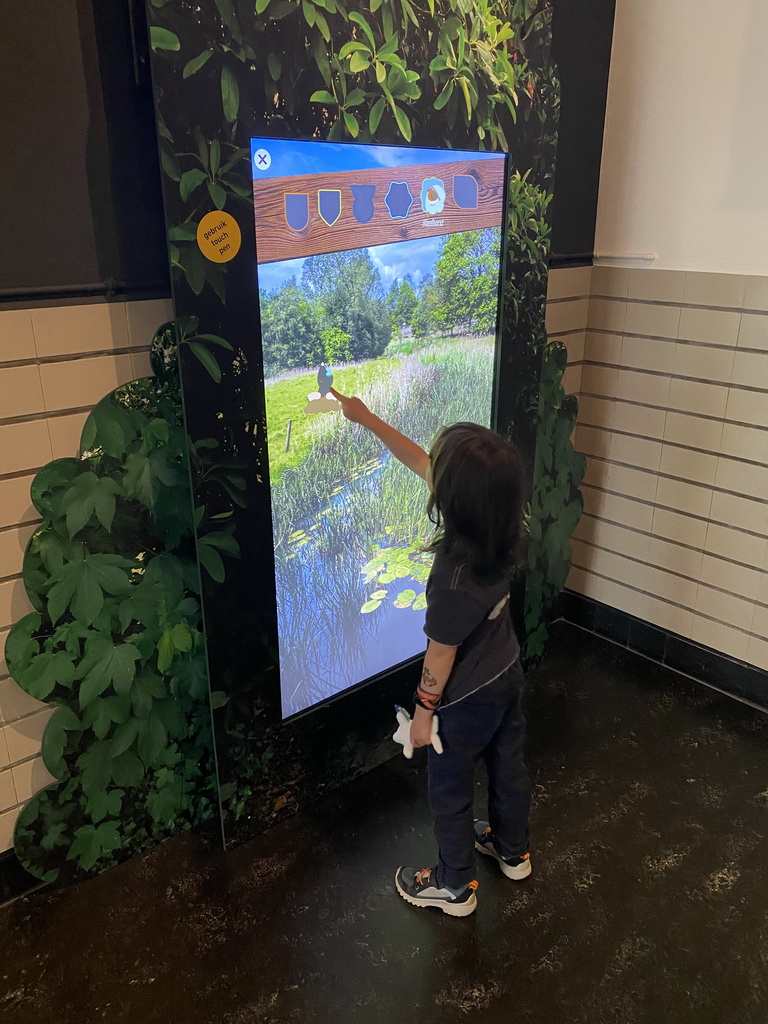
<point x="324" y="380"/>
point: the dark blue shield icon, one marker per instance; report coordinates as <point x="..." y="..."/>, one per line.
<point x="465" y="191"/>
<point x="398" y="200"/>
<point x="362" y="207"/>
<point x="329" y="205"/>
<point x="297" y="210"/>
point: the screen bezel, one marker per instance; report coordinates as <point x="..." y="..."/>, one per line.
<point x="401" y="668"/>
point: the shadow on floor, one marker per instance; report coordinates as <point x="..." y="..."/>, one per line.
<point x="648" y="903"/>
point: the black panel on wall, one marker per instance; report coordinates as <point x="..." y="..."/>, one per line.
<point x="582" y="35"/>
<point x="81" y="204"/>
<point x="81" y="201"/>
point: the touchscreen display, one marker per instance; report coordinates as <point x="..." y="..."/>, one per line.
<point x="379" y="274"/>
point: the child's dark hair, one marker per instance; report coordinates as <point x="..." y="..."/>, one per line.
<point x="476" y="499"/>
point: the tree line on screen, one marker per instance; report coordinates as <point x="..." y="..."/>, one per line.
<point x="340" y="310"/>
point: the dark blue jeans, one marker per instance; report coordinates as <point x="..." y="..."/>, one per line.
<point x="490" y="725"/>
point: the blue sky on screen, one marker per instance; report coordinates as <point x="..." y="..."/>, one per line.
<point x="395" y="260"/>
<point x="291" y="157"/>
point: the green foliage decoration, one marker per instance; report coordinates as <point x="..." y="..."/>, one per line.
<point x="115" y="641"/>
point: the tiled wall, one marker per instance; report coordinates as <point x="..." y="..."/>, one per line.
<point x="55" y="364"/>
<point x="673" y="416"/>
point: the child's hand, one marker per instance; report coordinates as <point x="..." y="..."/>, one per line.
<point x="355" y="410"/>
<point x="421" y="728"/>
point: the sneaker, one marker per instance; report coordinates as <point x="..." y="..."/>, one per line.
<point x="417" y="888"/>
<point x="516" y="868"/>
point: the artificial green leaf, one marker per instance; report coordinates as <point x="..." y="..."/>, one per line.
<point x="165" y="804"/>
<point x="358" y="62"/>
<point x="275" y="66"/>
<point x="81" y="585"/>
<point x="162" y="39"/>
<point x="374" y="118"/>
<point x="96" y="766"/>
<point x="115" y="667"/>
<point x="197" y="62"/>
<point x="215" y="157"/>
<point x="214" y="339"/>
<point x="322" y="96"/>
<point x="444" y="96"/>
<point x="183" y="233"/>
<point x="230" y="94"/>
<point x="218" y="699"/>
<point x="45" y="672"/>
<point x="228" y="16"/>
<point x="190" y="180"/>
<point x="108" y="803"/>
<point x="21" y="645"/>
<point x="358" y="19"/>
<point x="351" y="124"/>
<point x="211" y="561"/>
<point x="127" y="770"/>
<point x="355" y="98"/>
<point x="217" y="194"/>
<point x="152" y="739"/>
<point x="85" y="848"/>
<point x="261" y="6"/>
<point x="207" y="360"/>
<point x="403" y="123"/>
<point x="281" y="9"/>
<point x="223" y="541"/>
<point x="124" y="736"/>
<point x="90" y="494"/>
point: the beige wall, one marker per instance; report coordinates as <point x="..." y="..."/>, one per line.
<point x="55" y="364"/>
<point x="685" y="149"/>
<point x="673" y="416"/>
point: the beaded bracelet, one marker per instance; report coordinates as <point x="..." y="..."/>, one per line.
<point x="428" y="701"/>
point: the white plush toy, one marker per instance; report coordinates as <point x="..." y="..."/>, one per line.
<point x="403" y="734"/>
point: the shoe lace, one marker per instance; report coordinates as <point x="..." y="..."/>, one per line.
<point x="474" y="886"/>
<point x="487" y="831"/>
<point x="424" y="873"/>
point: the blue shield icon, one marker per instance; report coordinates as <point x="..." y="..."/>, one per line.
<point x="362" y="207"/>
<point x="329" y="205"/>
<point x="398" y="200"/>
<point x="465" y="191"/>
<point x="297" y="210"/>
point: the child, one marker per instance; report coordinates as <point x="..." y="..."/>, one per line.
<point x="472" y="669"/>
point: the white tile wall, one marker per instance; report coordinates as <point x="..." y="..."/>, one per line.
<point x="55" y="363"/>
<point x="673" y="415"/>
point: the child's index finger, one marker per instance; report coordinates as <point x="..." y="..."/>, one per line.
<point x="337" y="396"/>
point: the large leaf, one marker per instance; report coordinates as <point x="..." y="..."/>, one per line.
<point x="80" y="586"/>
<point x="90" y="495"/>
<point x="115" y="666"/>
<point x="162" y="39"/>
<point x="230" y="94"/>
<point x="194" y="65"/>
<point x="152" y="739"/>
<point x="45" y="672"/>
<point x="190" y="180"/>
<point x="127" y="770"/>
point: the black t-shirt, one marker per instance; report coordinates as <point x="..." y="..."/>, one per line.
<point x="474" y="617"/>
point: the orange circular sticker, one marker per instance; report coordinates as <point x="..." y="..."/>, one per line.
<point x="218" y="236"/>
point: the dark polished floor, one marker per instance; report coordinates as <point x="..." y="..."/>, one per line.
<point x="648" y="903"/>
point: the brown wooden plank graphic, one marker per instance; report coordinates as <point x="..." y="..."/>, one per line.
<point x="331" y="212"/>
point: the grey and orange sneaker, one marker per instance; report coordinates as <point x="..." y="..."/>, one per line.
<point x="516" y="868"/>
<point x="419" y="889"/>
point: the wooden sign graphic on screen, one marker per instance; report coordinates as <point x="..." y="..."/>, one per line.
<point x="275" y="240"/>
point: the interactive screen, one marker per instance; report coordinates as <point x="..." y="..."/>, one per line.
<point x="379" y="274"/>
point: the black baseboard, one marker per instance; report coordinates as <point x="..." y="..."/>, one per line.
<point x="736" y="678"/>
<point x="14" y="880"/>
